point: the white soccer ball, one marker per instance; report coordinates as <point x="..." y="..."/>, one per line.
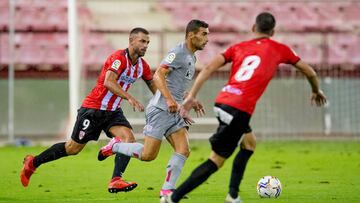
<point x="269" y="187"/>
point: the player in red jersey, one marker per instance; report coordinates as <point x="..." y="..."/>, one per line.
<point x="101" y="110"/>
<point x="254" y="63"/>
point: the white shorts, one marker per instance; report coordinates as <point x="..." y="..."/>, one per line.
<point x="160" y="123"/>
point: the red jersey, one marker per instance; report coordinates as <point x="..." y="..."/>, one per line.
<point x="254" y="63"/>
<point x="120" y="63"/>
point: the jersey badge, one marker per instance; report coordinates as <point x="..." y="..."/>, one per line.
<point x="170" y="57"/>
<point x="116" y="64"/>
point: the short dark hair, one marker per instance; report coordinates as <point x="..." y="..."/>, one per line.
<point x="139" y="29"/>
<point x="194" y="25"/>
<point x="265" y="22"/>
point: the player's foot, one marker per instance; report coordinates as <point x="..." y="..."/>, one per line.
<point x="27" y="171"/>
<point x="229" y="199"/>
<point x="164" y="193"/>
<point x="117" y="184"/>
<point x="106" y="150"/>
<point x="166" y="199"/>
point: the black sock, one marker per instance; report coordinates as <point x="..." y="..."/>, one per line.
<point x="198" y="176"/>
<point x="54" y="152"/>
<point x="237" y="172"/>
<point x="121" y="162"/>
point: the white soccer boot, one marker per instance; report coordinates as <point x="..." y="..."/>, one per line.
<point x="229" y="199"/>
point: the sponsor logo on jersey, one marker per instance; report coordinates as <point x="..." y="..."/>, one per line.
<point x="116" y="64"/>
<point x="127" y="79"/>
<point x="232" y="90"/>
<point x="170" y="57"/>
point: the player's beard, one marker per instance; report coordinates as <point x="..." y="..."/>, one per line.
<point x="140" y="52"/>
<point x="200" y="46"/>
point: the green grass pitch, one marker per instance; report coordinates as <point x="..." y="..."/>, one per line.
<point x="310" y="171"/>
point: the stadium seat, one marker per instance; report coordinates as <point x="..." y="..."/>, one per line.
<point x="28" y="55"/>
<point x="29" y="18"/>
<point x="352" y="14"/>
<point x="4" y="50"/>
<point x="95" y="56"/>
<point x="56" y="18"/>
<point x="4" y="18"/>
<point x="55" y="55"/>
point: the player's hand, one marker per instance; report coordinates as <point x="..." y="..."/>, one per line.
<point x="199" y="108"/>
<point x="186" y="106"/>
<point x="172" y="105"/>
<point x="135" y="104"/>
<point x="318" y="98"/>
<point x="188" y="120"/>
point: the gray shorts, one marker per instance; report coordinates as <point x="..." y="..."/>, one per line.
<point x="160" y="123"/>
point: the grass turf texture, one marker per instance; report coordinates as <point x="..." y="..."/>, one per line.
<point x="310" y="171"/>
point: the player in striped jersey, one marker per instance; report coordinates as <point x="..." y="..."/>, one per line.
<point x="172" y="79"/>
<point x="100" y="110"/>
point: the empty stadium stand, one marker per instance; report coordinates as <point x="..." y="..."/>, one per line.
<point x="320" y="32"/>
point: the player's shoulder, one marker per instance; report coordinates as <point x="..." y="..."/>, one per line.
<point x="179" y="49"/>
<point x="144" y="63"/>
<point x="119" y="54"/>
<point x="279" y="44"/>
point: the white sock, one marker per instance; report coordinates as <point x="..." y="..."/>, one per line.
<point x="173" y="170"/>
<point x="129" y="149"/>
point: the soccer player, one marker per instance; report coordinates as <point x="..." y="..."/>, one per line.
<point x="162" y="117"/>
<point x="101" y="110"/>
<point x="254" y="63"/>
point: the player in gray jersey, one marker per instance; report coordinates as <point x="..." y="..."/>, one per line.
<point x="171" y="78"/>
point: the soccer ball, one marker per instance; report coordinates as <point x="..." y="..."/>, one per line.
<point x="269" y="187"/>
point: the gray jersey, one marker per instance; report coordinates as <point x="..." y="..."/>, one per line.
<point x="181" y="63"/>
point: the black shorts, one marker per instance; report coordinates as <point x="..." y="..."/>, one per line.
<point x="90" y="122"/>
<point x="233" y="123"/>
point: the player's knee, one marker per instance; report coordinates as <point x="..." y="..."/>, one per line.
<point x="73" y="150"/>
<point x="184" y="152"/>
<point x="129" y="139"/>
<point x="249" y="142"/>
<point x="148" y="157"/>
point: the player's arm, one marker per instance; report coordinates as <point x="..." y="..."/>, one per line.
<point x="111" y="84"/>
<point x="318" y="97"/>
<point x="205" y="73"/>
<point x="151" y="85"/>
<point x="160" y="82"/>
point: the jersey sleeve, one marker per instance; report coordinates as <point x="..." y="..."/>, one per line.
<point x="146" y="72"/>
<point x="115" y="63"/>
<point x="173" y="60"/>
<point x="228" y="54"/>
<point x="290" y="57"/>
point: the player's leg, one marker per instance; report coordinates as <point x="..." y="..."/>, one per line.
<point x="85" y="129"/>
<point x="54" y="152"/>
<point x="223" y="144"/>
<point x="144" y="152"/>
<point x="180" y="142"/>
<point x="121" y="161"/>
<point x="117" y="184"/>
<point x="198" y="176"/>
<point x="247" y="147"/>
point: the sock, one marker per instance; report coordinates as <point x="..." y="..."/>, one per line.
<point x="237" y="172"/>
<point x="129" y="149"/>
<point x="121" y="162"/>
<point x="173" y="170"/>
<point x="54" y="152"/>
<point x="197" y="177"/>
